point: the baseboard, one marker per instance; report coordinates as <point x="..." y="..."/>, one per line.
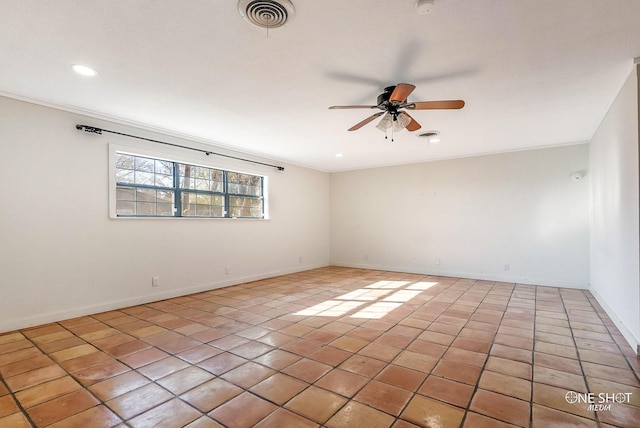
<point x="633" y="341"/>
<point x="470" y="275"/>
<point x="55" y="316"/>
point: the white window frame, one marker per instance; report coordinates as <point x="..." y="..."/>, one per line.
<point x="180" y="156"/>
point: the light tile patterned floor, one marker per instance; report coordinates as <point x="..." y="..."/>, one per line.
<point x="332" y="347"/>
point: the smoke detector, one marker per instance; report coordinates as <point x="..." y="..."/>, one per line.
<point x="424" y="6"/>
<point x="266" y="13"/>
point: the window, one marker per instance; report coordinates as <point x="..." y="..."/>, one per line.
<point x="148" y="187"/>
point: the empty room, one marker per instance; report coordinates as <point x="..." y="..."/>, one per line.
<point x="298" y="213"/>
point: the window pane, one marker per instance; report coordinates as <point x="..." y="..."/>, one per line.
<point x="203" y="199"/>
<point x="144" y="164"/>
<point x="145" y="208"/>
<point x="146" y="178"/>
<point x="125" y="208"/>
<point x="244" y="184"/>
<point x="217" y="186"/>
<point x="146" y="195"/>
<point x="201" y="178"/>
<point x="164" y="180"/>
<point x="189" y="210"/>
<point x="202" y="204"/>
<point x="165" y="209"/>
<point x="201" y="172"/>
<point x="187" y="182"/>
<point x="245" y="207"/>
<point x="164" y="167"/>
<point x="124" y="176"/>
<point x="203" y="210"/>
<point x="187" y="173"/>
<point x="166" y="197"/>
<point x="125" y="194"/>
<point x="202" y="184"/>
<point x="124" y="161"/>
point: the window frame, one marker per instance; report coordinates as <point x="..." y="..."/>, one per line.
<point x="181" y="159"/>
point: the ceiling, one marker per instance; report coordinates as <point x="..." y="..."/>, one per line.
<point x="533" y="73"/>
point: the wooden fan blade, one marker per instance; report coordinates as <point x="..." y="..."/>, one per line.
<point x="436" y="105"/>
<point x="401" y="92"/>
<point x="346" y="107"/>
<point x="364" y="122"/>
<point x="413" y="125"/>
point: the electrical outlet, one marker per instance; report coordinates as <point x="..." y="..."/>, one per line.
<point x="438" y="262"/>
<point x="300" y="259"/>
<point x="227" y="270"/>
<point x="366" y="257"/>
<point x="506" y="266"/>
<point x="155" y="281"/>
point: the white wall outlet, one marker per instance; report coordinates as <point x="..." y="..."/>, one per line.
<point x="155" y="281"/>
<point x="506" y="266"/>
<point x="227" y="270"/>
<point x="300" y="259"/>
<point x="438" y="262"/>
<point x="366" y="256"/>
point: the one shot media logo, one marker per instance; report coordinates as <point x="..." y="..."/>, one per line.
<point x="599" y="402"/>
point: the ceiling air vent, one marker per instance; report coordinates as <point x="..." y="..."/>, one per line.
<point x="266" y="13"/>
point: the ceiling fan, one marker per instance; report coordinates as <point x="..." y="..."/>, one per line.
<point x="393" y="102"/>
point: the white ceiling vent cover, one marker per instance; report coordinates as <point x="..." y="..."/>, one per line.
<point x="266" y="13"/>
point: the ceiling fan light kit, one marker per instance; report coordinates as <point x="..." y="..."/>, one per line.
<point x="393" y="102"/>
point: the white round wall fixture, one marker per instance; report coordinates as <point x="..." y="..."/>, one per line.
<point x="424" y="6"/>
<point x="266" y="13"/>
<point x="577" y="176"/>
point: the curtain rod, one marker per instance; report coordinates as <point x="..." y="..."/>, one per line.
<point x="94" y="130"/>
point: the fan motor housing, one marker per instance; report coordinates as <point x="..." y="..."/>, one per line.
<point x="384" y="97"/>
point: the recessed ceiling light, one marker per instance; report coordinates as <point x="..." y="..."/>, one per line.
<point x="339" y="155"/>
<point x="84" y="70"/>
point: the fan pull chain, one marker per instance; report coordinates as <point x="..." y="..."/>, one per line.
<point x="268" y="22"/>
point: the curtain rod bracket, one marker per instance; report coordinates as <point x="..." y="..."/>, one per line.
<point x="94" y="130"/>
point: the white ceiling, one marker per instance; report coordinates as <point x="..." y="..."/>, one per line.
<point x="534" y="73"/>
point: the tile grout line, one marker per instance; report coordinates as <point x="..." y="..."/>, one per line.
<point x="591" y="303"/>
<point x="493" y="342"/>
<point x="533" y="355"/>
<point x="35" y="345"/>
<point x="586" y="381"/>
<point x="414" y="393"/>
<point x="575" y="344"/>
<point x="15" y="399"/>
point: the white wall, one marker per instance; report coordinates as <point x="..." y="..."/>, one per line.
<point x="615" y="273"/>
<point x="62" y="256"/>
<point x="475" y="215"/>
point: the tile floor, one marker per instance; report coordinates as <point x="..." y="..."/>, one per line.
<point x="331" y="347"/>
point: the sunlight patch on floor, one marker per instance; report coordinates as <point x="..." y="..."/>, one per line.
<point x="379" y="297"/>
